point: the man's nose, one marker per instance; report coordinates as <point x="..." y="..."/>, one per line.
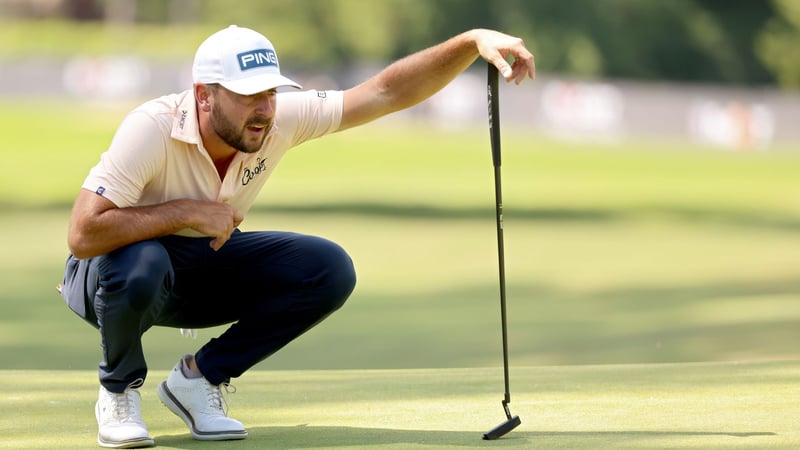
<point x="265" y="106"/>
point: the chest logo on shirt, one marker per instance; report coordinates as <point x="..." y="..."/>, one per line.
<point x="248" y="174"/>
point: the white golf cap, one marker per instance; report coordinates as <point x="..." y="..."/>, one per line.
<point x="241" y="60"/>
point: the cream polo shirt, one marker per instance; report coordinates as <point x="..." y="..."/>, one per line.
<point x="157" y="154"/>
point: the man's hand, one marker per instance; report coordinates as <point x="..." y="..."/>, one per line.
<point x="217" y="220"/>
<point x="497" y="47"/>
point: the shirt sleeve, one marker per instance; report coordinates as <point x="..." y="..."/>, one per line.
<point x="310" y="114"/>
<point x="136" y="154"/>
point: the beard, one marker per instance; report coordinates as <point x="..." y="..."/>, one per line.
<point x="228" y="132"/>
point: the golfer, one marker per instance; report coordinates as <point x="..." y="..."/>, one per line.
<point x="153" y="234"/>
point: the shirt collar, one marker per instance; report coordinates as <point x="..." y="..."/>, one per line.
<point x="184" y="124"/>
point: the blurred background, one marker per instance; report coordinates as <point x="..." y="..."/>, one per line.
<point x="607" y="68"/>
<point x="650" y="176"/>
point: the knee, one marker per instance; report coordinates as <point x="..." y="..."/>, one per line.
<point x="343" y="279"/>
<point x="140" y="273"/>
<point x="337" y="274"/>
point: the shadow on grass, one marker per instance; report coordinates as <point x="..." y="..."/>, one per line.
<point x="685" y="214"/>
<point x="682" y="214"/>
<point x="634" y="323"/>
<point x="303" y="436"/>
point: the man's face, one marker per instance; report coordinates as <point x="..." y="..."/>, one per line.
<point x="243" y="121"/>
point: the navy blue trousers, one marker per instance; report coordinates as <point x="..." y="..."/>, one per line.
<point x="272" y="287"/>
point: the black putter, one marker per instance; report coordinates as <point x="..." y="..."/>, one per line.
<point x="494" y="133"/>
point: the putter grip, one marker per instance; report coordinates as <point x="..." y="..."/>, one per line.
<point x="494" y="113"/>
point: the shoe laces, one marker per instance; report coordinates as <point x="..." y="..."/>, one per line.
<point x="219" y="396"/>
<point x="124" y="404"/>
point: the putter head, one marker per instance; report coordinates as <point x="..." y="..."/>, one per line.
<point x="502" y="429"/>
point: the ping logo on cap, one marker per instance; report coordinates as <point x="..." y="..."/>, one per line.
<point x="257" y="58"/>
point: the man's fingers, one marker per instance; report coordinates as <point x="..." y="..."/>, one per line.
<point x="505" y="69"/>
<point x="217" y="243"/>
<point x="523" y="66"/>
<point x="507" y="53"/>
<point x="214" y="244"/>
<point x="520" y="72"/>
<point x="528" y="66"/>
<point x="497" y="60"/>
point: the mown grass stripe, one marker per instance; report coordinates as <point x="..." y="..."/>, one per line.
<point x="704" y="405"/>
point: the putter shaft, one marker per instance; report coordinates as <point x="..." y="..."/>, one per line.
<point x="494" y="134"/>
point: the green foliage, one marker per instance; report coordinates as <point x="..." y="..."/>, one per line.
<point x="736" y="41"/>
<point x="687" y="40"/>
<point x="332" y="33"/>
<point x="778" y="44"/>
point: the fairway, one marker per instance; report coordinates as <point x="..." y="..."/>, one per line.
<point x="707" y="406"/>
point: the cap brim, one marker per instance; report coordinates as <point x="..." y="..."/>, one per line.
<point x="258" y="83"/>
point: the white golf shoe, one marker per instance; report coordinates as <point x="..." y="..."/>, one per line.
<point x="119" y="419"/>
<point x="201" y="405"/>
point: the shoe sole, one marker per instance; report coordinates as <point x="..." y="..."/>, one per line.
<point x="131" y="443"/>
<point x="175" y="406"/>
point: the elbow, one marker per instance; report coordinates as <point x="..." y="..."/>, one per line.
<point x="80" y="246"/>
<point x="88" y="234"/>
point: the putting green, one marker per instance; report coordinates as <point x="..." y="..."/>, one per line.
<point x="708" y="405"/>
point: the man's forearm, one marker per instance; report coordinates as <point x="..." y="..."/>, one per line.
<point x="416" y="77"/>
<point x="113" y="228"/>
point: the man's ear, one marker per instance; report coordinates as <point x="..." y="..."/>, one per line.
<point x="202" y="94"/>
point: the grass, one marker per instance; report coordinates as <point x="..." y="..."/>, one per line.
<point x="639" y="309"/>
<point x="708" y="406"/>
<point x="627" y="253"/>
<point x="652" y="287"/>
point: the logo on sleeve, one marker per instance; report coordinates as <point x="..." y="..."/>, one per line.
<point x="254" y="59"/>
<point x="100" y="190"/>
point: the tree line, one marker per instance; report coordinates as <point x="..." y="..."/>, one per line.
<point x="747" y="42"/>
